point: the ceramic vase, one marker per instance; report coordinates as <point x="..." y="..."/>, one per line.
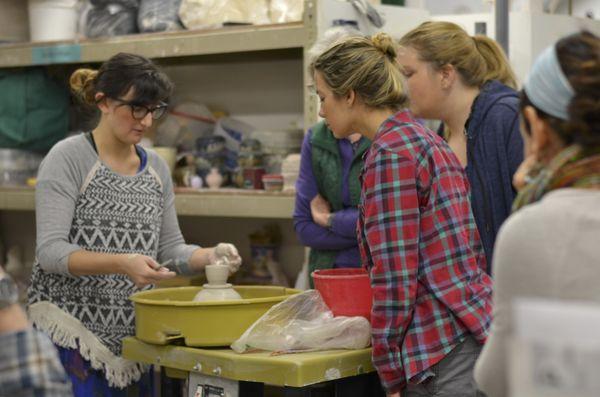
<point x="214" y="179"/>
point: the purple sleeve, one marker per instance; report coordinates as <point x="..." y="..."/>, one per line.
<point x="344" y="223"/>
<point x="309" y="233"/>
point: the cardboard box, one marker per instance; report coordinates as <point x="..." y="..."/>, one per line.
<point x="14" y="21"/>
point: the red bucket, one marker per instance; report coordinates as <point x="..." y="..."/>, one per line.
<point x="347" y="292"/>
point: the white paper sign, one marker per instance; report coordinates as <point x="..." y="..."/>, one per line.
<point x="555" y="350"/>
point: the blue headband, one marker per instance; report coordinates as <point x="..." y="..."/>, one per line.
<point x="547" y="87"/>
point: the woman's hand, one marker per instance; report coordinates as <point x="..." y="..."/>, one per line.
<point x="523" y="173"/>
<point x="320" y="210"/>
<point x="397" y="394"/>
<point x="143" y="270"/>
<point x="226" y="254"/>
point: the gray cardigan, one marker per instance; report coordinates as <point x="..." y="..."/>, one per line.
<point x="63" y="175"/>
<point x="550" y="249"/>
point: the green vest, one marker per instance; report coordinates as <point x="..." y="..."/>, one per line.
<point x="327" y="168"/>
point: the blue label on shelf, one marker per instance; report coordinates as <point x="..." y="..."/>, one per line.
<point x="63" y="53"/>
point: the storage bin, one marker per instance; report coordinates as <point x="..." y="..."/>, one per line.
<point x="53" y="20"/>
<point x="272" y="182"/>
<point x="16" y="166"/>
<point x="14" y="21"/>
<point x="34" y="109"/>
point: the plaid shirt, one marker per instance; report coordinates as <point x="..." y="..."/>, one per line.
<point x="418" y="239"/>
<point x="29" y="366"/>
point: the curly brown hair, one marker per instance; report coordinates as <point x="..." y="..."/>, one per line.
<point x="118" y="75"/>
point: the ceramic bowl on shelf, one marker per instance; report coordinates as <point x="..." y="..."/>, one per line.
<point x="272" y="182"/>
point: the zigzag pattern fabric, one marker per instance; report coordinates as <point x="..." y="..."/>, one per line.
<point x="114" y="214"/>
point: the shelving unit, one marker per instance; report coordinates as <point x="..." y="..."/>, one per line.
<point x="177" y="45"/>
<point x="258" y="72"/>
<point x="159" y="45"/>
<point x="187" y="46"/>
<point x="235" y="203"/>
<point x="209" y="203"/>
<point x="17" y="199"/>
<point x="202" y="64"/>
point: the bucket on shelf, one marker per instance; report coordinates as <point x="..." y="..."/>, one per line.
<point x="53" y="20"/>
<point x="347" y="291"/>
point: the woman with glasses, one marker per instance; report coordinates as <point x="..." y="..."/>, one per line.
<point x="105" y="220"/>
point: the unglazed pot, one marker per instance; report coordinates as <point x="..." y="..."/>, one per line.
<point x="217" y="288"/>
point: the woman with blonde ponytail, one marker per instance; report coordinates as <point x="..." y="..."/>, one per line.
<point x="467" y="83"/>
<point x="105" y="218"/>
<point x="416" y="231"/>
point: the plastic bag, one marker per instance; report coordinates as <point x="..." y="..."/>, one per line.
<point x="159" y="15"/>
<point x="301" y="323"/>
<point x="286" y="10"/>
<point x="184" y="125"/>
<point x="111" y="20"/>
<point x="234" y="132"/>
<point x="34" y="109"/>
<point x="124" y="3"/>
<point x="203" y="14"/>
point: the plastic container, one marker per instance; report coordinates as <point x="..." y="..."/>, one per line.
<point x="253" y="177"/>
<point x="51" y="20"/>
<point x="17" y="166"/>
<point x="346" y="291"/>
<point x="272" y="182"/>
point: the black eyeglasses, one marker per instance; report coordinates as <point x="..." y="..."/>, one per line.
<point x="140" y="111"/>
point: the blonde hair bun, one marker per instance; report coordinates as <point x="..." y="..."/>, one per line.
<point x="384" y="43"/>
<point x="82" y="84"/>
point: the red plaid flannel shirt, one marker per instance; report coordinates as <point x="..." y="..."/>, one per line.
<point x="419" y="241"/>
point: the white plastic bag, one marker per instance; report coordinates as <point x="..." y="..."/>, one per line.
<point x="204" y="14"/>
<point x="112" y="19"/>
<point x="302" y="281"/>
<point x="303" y="322"/>
<point x="286" y="10"/>
<point x="184" y="125"/>
<point x="159" y="15"/>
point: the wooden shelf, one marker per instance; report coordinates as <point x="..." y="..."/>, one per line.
<point x="234" y="203"/>
<point x="17" y="198"/>
<point x="212" y="203"/>
<point x="158" y="45"/>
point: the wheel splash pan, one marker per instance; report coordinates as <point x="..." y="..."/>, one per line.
<point x="165" y="315"/>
